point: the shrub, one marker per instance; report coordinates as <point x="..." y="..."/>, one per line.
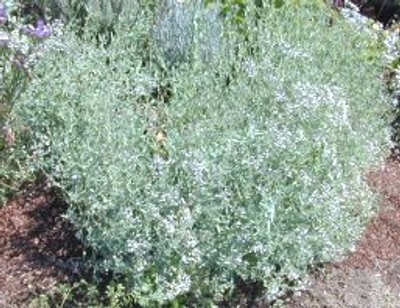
<point x="254" y="168"/>
<point x="175" y="32"/>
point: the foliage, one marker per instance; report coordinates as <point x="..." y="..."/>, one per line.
<point x="237" y="11"/>
<point x="16" y="55"/>
<point x="253" y="168"/>
<point x="98" y="16"/>
<point x="20" y="48"/>
<point x="175" y="32"/>
<point x="84" y="294"/>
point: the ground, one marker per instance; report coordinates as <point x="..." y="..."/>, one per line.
<point x="38" y="250"/>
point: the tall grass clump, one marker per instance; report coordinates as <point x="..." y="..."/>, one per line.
<point x="252" y="167"/>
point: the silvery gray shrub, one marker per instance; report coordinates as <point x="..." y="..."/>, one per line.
<point x="182" y="26"/>
<point x="262" y="178"/>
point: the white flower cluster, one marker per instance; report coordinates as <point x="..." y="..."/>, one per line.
<point x="361" y="22"/>
<point x="391" y="56"/>
<point x="293" y="52"/>
<point x="312" y="97"/>
<point x="391" y="42"/>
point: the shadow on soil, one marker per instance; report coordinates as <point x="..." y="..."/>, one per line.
<point x="38" y="249"/>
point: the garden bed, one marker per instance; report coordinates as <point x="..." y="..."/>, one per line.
<point x="250" y="173"/>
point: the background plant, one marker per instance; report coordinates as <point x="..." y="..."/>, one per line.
<point x="255" y="178"/>
<point x="21" y="45"/>
<point x="100" y="16"/>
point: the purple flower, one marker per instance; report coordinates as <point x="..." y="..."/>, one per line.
<point x="3" y="14"/>
<point x="40" y="31"/>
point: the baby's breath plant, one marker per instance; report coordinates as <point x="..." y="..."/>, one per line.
<point x="256" y="178"/>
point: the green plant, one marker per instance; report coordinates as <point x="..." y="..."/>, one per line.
<point x="82" y="294"/>
<point x="15" y="54"/>
<point x="20" y="48"/>
<point x="94" y="18"/>
<point x="254" y="179"/>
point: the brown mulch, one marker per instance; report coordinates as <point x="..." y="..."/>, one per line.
<point x="381" y="240"/>
<point x="38" y="249"/>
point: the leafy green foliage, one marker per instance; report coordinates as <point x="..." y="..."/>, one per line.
<point x="252" y="166"/>
<point x="234" y="9"/>
<point x="84" y="294"/>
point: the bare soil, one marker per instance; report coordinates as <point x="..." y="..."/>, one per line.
<point x="38" y="248"/>
<point x="38" y="251"/>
